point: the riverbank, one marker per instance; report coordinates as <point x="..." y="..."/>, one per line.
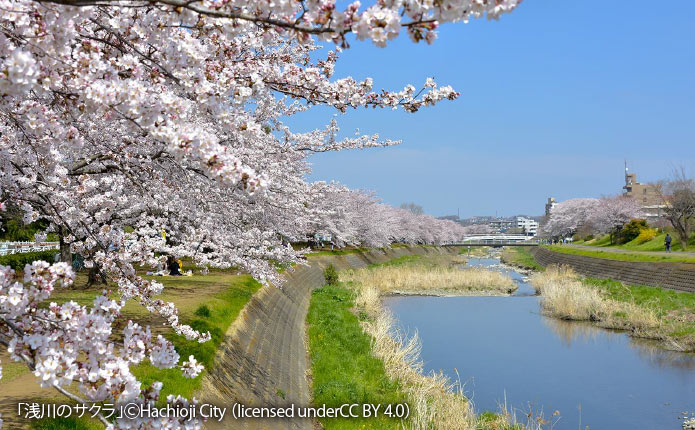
<point x="669" y="275"/>
<point x="642" y="311"/>
<point x="623" y="254"/>
<point x="519" y="257"/>
<point x="655" y="244"/>
<point x="264" y="360"/>
<point x="349" y="329"/>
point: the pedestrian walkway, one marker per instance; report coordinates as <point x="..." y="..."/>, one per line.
<point x="630" y="251"/>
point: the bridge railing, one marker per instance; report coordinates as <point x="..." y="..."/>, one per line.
<point x="498" y="239"/>
<point x="7" y="248"/>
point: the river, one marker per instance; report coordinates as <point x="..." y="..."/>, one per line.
<point x="503" y="347"/>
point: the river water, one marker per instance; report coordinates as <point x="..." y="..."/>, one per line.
<point x="503" y="347"/>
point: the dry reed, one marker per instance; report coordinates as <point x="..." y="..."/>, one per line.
<point x="435" y="401"/>
<point x="421" y="279"/>
<point x="563" y="295"/>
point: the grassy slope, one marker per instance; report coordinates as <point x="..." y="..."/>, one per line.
<point x="520" y="257"/>
<point x="675" y="309"/>
<point x="344" y="370"/>
<point x="656" y="244"/>
<point x="636" y="256"/>
<point x="223" y="307"/>
<point x="223" y="294"/>
<point x="336" y="251"/>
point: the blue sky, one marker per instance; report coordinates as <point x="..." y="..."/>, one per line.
<point x="553" y="98"/>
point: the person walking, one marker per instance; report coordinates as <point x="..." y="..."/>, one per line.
<point x="668" y="242"/>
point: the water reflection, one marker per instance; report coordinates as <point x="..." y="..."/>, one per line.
<point x="569" y="332"/>
<point x="651" y="351"/>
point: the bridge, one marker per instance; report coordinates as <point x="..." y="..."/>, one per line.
<point x="497" y="240"/>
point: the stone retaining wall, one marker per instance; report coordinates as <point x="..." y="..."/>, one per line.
<point x="675" y="276"/>
<point x="263" y="360"/>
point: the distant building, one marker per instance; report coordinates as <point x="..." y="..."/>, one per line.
<point x="501" y="225"/>
<point x="550" y="205"/>
<point x="530" y="226"/>
<point x="647" y="195"/>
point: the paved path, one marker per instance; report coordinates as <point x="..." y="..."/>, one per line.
<point x="630" y="251"/>
<point x="263" y="360"/>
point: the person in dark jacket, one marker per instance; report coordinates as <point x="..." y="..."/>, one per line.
<point x="173" y="266"/>
<point x="667" y="242"/>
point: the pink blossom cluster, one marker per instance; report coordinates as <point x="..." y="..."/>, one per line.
<point x="599" y="215"/>
<point x="73" y="344"/>
<point x="358" y="218"/>
<point x="140" y="129"/>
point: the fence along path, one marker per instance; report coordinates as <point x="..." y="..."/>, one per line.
<point x="263" y="360"/>
<point x="671" y="275"/>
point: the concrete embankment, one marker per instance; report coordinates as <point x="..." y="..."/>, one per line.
<point x="263" y="360"/>
<point x="671" y="275"/>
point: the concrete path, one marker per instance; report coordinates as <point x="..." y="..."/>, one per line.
<point x="263" y="361"/>
<point x="630" y="251"/>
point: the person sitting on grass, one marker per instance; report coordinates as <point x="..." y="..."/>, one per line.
<point x="667" y="242"/>
<point x="173" y="266"/>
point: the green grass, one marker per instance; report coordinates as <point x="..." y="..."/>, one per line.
<point x="675" y="308"/>
<point x="400" y="261"/>
<point x="604" y="240"/>
<point x="71" y="423"/>
<point x="520" y="257"/>
<point x="11" y="370"/>
<point x="222" y="309"/>
<point x="336" y="251"/>
<point x="343" y="368"/>
<point x="623" y="256"/>
<point x="656" y="244"/>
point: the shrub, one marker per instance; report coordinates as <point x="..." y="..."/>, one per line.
<point x="631" y="230"/>
<point x="330" y="275"/>
<point x="203" y="311"/>
<point x="18" y="261"/>
<point x="588" y="237"/>
<point x="646" y="235"/>
<point x="15" y="230"/>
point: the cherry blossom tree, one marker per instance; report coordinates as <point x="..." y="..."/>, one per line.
<point x="124" y="119"/>
<point x="612" y="213"/>
<point x="478" y="229"/>
<point x="566" y="217"/>
<point x="359" y="218"/>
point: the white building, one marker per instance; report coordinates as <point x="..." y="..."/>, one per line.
<point x="529" y="225"/>
<point x="550" y="205"/>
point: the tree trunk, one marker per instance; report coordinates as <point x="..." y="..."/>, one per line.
<point x="682" y="232"/>
<point x="683" y="237"/>
<point x="65" y="254"/>
<point x="95" y="276"/>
